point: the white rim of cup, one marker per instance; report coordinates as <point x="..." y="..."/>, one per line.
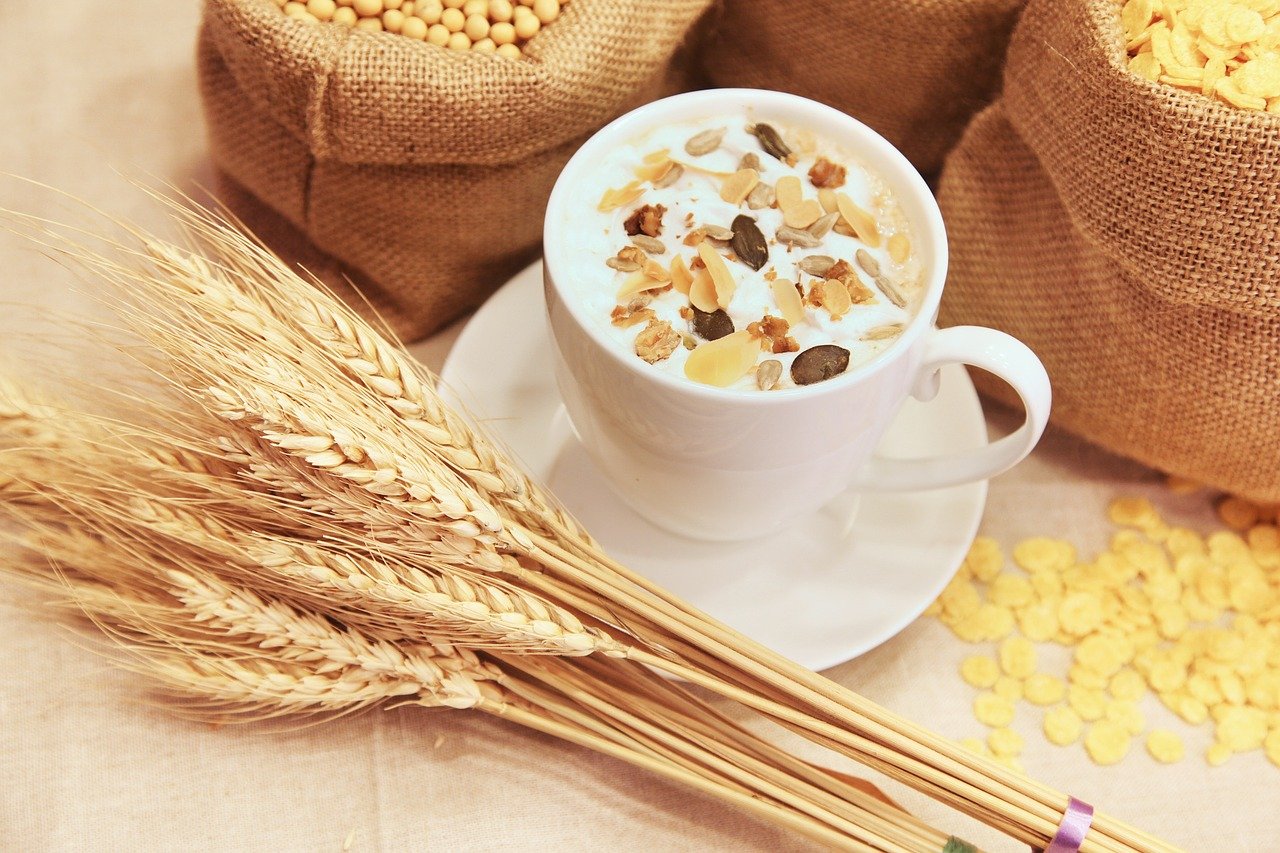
<point x="878" y="154"/>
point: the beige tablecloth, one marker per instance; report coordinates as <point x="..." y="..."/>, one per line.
<point x="87" y="762"/>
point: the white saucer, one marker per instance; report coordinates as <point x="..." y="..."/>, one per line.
<point x="831" y="588"/>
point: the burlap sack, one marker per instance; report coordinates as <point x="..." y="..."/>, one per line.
<point x="422" y="171"/>
<point x="1127" y="232"/>
<point x="914" y="70"/>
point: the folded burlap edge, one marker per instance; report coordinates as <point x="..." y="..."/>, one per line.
<point x="1177" y="188"/>
<point x="381" y="98"/>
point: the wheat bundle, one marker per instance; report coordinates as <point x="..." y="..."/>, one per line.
<point x="301" y="471"/>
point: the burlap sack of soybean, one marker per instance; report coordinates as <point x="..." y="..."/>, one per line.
<point x="419" y="172"/>
<point x="1129" y="232"/>
<point x="916" y="71"/>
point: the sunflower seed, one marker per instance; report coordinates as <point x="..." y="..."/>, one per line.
<point x="748" y="243"/>
<point x="768" y="374"/>
<point x="883" y="333"/>
<point x="717" y="232"/>
<point x="705" y="142"/>
<point x="824" y="225"/>
<point x="652" y="245"/>
<point x="761" y="196"/>
<point x="817" y="264"/>
<point x="675" y="173"/>
<point x="890" y="290"/>
<point x="770" y="140"/>
<point x="749" y="161"/>
<point x="819" y="363"/>
<point x="712" y="325"/>
<point x="797" y="237"/>
<point x="868" y="262"/>
<point x="690" y="342"/>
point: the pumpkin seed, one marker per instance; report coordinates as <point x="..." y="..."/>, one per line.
<point x="675" y="173"/>
<point x="819" y="363"/>
<point x="705" y="142"/>
<point x="652" y="245"/>
<point x="712" y="325"/>
<point x="768" y="374"/>
<point x="749" y="161"/>
<point x="717" y="232"/>
<point x="890" y="290"/>
<point x="823" y="225"/>
<point x="817" y="264"/>
<point x="748" y="243"/>
<point x="797" y="237"/>
<point x="865" y="260"/>
<point x="770" y="140"/>
<point x="761" y="196"/>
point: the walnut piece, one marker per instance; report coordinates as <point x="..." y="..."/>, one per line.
<point x="827" y="175"/>
<point x="657" y="340"/>
<point x="645" y="220"/>
<point x="772" y="333"/>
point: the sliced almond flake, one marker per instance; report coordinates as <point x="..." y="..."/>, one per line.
<point x="613" y="199"/>
<point x="638" y="282"/>
<point x="654" y="172"/>
<point x="835" y="298"/>
<point x="899" y="248"/>
<point x="656" y="271"/>
<point x="789" y="192"/>
<point x="883" y="333"/>
<point x="702" y="292"/>
<point x="658" y="156"/>
<point x="724" y="361"/>
<point x="827" y="198"/>
<point x="704" y="170"/>
<point x="681" y="278"/>
<point x="788" y="300"/>
<point x="720" y="275"/>
<point x="862" y="222"/>
<point x="738" y="186"/>
<point x="803" y="214"/>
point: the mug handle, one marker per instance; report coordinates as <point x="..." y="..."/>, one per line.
<point x="1001" y="354"/>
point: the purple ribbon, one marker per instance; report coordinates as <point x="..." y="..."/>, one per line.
<point x="1071" y="832"/>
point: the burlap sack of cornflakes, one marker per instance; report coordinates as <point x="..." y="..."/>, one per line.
<point x="419" y="172"/>
<point x="916" y="71"/>
<point x="1129" y="232"/>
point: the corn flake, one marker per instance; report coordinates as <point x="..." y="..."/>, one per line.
<point x="1043" y="689"/>
<point x="1005" y="742"/>
<point x="993" y="710"/>
<point x="1165" y="746"/>
<point x="1062" y="726"/>
<point x="1018" y="657"/>
<point x="979" y="671"/>
<point x="1107" y="742"/>
<point x="1044" y="554"/>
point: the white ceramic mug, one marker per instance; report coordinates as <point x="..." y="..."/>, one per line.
<point x="719" y="464"/>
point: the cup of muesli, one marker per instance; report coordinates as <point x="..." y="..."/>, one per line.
<point x="742" y="287"/>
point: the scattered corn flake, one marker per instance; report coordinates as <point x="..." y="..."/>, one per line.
<point x="984" y="559"/>
<point x="1127" y="685"/>
<point x="1039" y="622"/>
<point x="1242" y="728"/>
<point x="1271" y="744"/>
<point x="1165" y="746"/>
<point x="980" y="671"/>
<point x="1128" y="715"/>
<point x="1090" y="703"/>
<point x="1103" y="653"/>
<point x="1062" y="726"/>
<point x="1182" y="541"/>
<point x="1218" y="754"/>
<point x="993" y="710"/>
<point x="1044" y="554"/>
<point x="1166" y="675"/>
<point x="1011" y="591"/>
<point x="1107" y="742"/>
<point x="1009" y="688"/>
<point x="1133" y="512"/>
<point x="1085" y="677"/>
<point x="1238" y="513"/>
<point x="1017" y="657"/>
<point x="1005" y="742"/>
<point x="1043" y="689"/>
<point x="1080" y="613"/>
<point x="975" y="745"/>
